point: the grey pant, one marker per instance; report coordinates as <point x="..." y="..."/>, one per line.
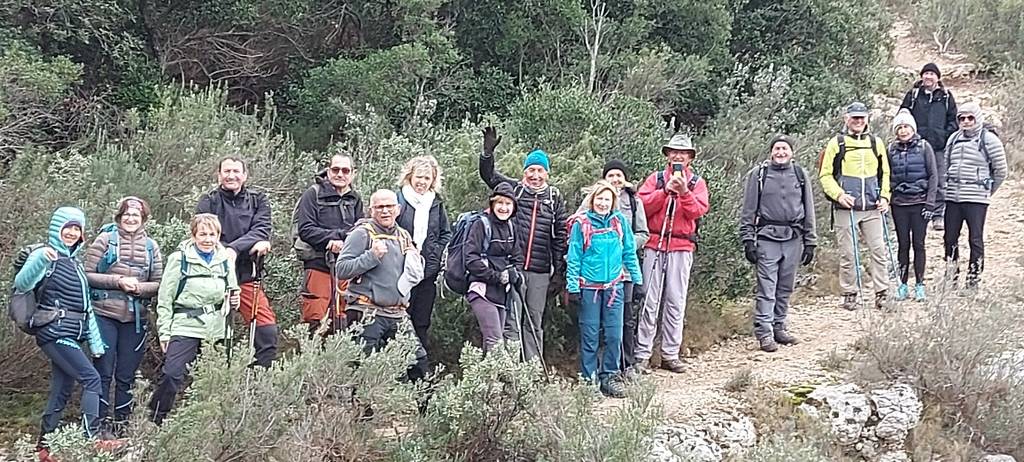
<point x="674" y="269"/>
<point x="491" y="319"/>
<point x="535" y="286"/>
<point x="776" y="273"/>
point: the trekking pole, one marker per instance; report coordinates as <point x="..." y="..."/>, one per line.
<point x="257" y="284"/>
<point x="893" y="271"/>
<point x="227" y="326"/>
<point x="533" y="333"/>
<point x="856" y="261"/>
<point x="334" y="310"/>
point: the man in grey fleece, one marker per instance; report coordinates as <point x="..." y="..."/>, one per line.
<point x="382" y="264"/>
<point x="777" y="229"/>
<point x="975" y="168"/>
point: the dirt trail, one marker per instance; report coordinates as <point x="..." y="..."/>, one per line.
<point x="818" y="321"/>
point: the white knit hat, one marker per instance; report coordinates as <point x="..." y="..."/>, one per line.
<point x="904" y="118"/>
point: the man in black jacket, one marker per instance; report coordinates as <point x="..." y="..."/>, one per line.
<point x="245" y="231"/>
<point x="323" y="218"/>
<point x="934" y="110"/>
<point x="539" y="225"/>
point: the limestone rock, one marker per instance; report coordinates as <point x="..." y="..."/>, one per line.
<point x="899" y="411"/>
<point x="683" y="443"/>
<point x="849" y="410"/>
<point x="734" y="434"/>
<point x="997" y="458"/>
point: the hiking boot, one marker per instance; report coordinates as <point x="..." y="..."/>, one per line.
<point x="880" y="300"/>
<point x="768" y="344"/>
<point x="673" y="365"/>
<point x="783" y="337"/>
<point x="850" y="302"/>
<point x="613" y="388"/>
<point x="630" y="373"/>
<point x="642" y="367"/>
<point x="938" y="225"/>
<point x="919" y="292"/>
<point x="902" y="292"/>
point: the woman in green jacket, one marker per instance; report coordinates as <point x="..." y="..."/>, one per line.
<point x="197" y="292"/>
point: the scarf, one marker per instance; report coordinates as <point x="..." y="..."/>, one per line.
<point x="420" y="204"/>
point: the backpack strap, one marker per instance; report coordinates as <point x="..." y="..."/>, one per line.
<point x="111" y="255"/>
<point x="185" y="276"/>
<point x="150" y="252"/>
<point x="487" y="233"/>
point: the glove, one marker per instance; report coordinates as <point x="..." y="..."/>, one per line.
<point x="504" y="277"/>
<point x="514" y="277"/>
<point x="927" y="214"/>
<point x="491" y="140"/>
<point x="639" y="291"/>
<point x="808" y="255"/>
<point x="750" y="251"/>
<point x="574" y="298"/>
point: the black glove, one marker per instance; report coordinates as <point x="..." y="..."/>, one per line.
<point x="750" y="251"/>
<point x="639" y="292"/>
<point x="491" y="140"/>
<point x="574" y="298"/>
<point x="808" y="255"/>
<point x="514" y="277"/>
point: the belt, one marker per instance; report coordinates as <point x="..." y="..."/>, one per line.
<point x="65" y="314"/>
<point x="193" y="313"/>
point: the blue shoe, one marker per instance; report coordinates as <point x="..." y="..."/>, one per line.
<point x="902" y="292"/>
<point x="919" y="293"/>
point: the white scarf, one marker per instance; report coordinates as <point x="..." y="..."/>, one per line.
<point x="420" y="204"/>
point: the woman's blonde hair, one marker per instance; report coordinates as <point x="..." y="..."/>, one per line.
<point x="421" y="163"/>
<point x="598" y="188"/>
<point x="204" y="219"/>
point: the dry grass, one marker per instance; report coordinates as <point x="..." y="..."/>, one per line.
<point x="740" y="380"/>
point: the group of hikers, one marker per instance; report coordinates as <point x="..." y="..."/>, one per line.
<point x="624" y="256"/>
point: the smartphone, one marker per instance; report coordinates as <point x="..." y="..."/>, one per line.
<point x="677" y="169"/>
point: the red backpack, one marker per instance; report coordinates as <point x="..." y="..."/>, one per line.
<point x="587" y="227"/>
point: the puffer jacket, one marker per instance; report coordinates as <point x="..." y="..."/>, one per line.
<point x="934" y="112"/>
<point x="66" y="288"/>
<point x="501" y="253"/>
<point x="196" y="312"/>
<point x="439" y="232"/>
<point x="324" y="215"/>
<point x="686" y="209"/>
<point x="598" y="255"/>
<point x="132" y="261"/>
<point x="973" y="175"/>
<point x="859" y="171"/>
<point x="914" y="177"/>
<point x="539" y="221"/>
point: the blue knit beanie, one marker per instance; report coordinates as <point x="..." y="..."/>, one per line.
<point x="537" y="157"/>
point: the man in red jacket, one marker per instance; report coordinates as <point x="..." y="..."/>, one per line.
<point x="674" y="199"/>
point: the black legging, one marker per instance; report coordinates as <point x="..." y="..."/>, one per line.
<point x="910" y="228"/>
<point x="974" y="214"/>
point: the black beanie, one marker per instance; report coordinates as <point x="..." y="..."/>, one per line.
<point x="504" y="190"/>
<point x="785" y="139"/>
<point x="614" y="164"/>
<point x="932" y="67"/>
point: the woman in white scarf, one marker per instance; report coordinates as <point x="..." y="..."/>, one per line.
<point x="422" y="214"/>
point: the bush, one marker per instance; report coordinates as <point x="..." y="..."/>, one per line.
<point x="1010" y="104"/>
<point x="964" y="360"/>
<point x="989" y="30"/>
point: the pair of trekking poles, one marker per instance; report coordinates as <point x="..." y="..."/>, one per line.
<point x="257" y="285"/>
<point x="519" y="300"/>
<point x="892" y="270"/>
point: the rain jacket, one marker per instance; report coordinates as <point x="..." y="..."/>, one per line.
<point x="197" y="311"/>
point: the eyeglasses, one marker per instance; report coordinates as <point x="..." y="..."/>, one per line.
<point x="342" y="170"/>
<point x="132" y="215"/>
<point x="383" y="207"/>
<point x="967" y="117"/>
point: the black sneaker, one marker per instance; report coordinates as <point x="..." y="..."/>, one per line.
<point x="850" y="302"/>
<point x="768" y="344"/>
<point x="783" y="337"/>
<point x="880" y="298"/>
<point x="613" y="388"/>
<point x="673" y="365"/>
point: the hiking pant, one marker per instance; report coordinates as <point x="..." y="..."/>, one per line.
<point x="490" y="317"/>
<point x="974" y="214"/>
<point x="869" y="230"/>
<point x="629" y="314"/>
<point x="911" y="229"/>
<point x="535" y="290"/>
<point x="181" y="353"/>
<point x="940" y="194"/>
<point x="376" y="335"/>
<point x="265" y="340"/>
<point x="421" y="308"/>
<point x="777" y="263"/>
<point x="600" y="309"/>
<point x="319" y="302"/>
<point x="667" y="277"/>
<point x="125" y="349"/>
<point x="68" y="364"/>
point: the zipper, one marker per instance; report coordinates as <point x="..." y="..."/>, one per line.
<point x="864" y="181"/>
<point x="529" y="243"/>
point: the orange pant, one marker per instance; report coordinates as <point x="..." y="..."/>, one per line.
<point x="316" y="296"/>
<point x="264" y="315"/>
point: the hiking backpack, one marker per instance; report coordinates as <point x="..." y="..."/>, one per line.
<point x="587" y="228"/>
<point x="660" y="182"/>
<point x="800" y="178"/>
<point x="185" y="276"/>
<point x="23" y="306"/>
<point x="917" y="90"/>
<point x="113" y="254"/>
<point x="986" y="128"/>
<point x="837" y="161"/>
<point x="456" y="274"/>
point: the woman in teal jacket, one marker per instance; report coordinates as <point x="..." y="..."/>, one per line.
<point x="65" y="321"/>
<point x="601" y="250"/>
<point x="198" y="289"/>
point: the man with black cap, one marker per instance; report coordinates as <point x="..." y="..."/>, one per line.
<point x="855" y="177"/>
<point x="934" y="110"/>
<point x="777" y="229"/>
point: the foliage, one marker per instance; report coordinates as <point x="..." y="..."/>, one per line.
<point x="989" y="30"/>
<point x="1010" y="104"/>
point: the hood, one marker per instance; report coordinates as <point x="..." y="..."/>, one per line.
<point x="60" y="218"/>
<point x="191" y="253"/>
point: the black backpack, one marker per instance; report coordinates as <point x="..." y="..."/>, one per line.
<point x="837" y="162"/>
<point x="660" y="179"/>
<point x="456" y="275"/>
<point x="22" y="307"/>
<point x="761" y="171"/>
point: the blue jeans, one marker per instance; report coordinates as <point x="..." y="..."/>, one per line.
<point x="125" y="349"/>
<point x="69" y="364"/>
<point x="599" y="308"/>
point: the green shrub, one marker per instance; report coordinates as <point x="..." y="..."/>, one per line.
<point x="989" y="30"/>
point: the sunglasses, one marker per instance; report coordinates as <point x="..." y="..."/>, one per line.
<point x="342" y="170"/>
<point x="963" y="118"/>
